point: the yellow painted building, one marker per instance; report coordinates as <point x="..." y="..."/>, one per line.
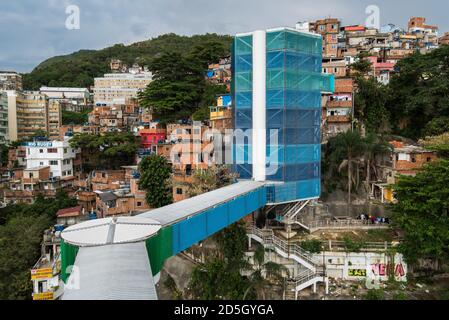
<point x="30" y="111"/>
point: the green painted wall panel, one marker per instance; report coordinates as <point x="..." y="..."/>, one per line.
<point x="160" y="248"/>
<point x="68" y="256"/>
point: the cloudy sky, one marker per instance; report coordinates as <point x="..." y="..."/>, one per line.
<point x="34" y="30"/>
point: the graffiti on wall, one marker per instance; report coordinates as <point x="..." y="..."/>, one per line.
<point x="357" y="272"/>
<point x="383" y="270"/>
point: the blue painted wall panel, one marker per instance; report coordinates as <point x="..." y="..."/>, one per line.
<point x="217" y="219"/>
<point x="176" y="240"/>
<point x="190" y="231"/>
<point x="236" y="208"/>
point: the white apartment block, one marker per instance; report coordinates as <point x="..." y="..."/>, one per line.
<point x="116" y="88"/>
<point x="58" y="155"/>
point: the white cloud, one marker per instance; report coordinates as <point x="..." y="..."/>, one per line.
<point x="33" y="30"/>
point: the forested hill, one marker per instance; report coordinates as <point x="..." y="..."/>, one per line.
<point x="78" y="69"/>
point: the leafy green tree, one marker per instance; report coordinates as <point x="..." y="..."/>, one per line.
<point x="21" y="230"/>
<point x="362" y="66"/>
<point x="209" y="52"/>
<point x="347" y="148"/>
<point x="437" y="126"/>
<point x="312" y="246"/>
<point x="418" y="93"/>
<point x="422" y="213"/>
<point x="79" y="69"/>
<point x="371" y="105"/>
<point x="208" y="99"/>
<point x="4" y="149"/>
<point x="39" y="134"/>
<point x="76" y="118"/>
<point x="439" y="144"/>
<point x="232" y="244"/>
<point x="155" y="179"/>
<point x="20" y="241"/>
<point x="220" y="277"/>
<point x="373" y="147"/>
<point x="177" y="88"/>
<point x="211" y="179"/>
<point x="264" y="275"/>
<point x="109" y="151"/>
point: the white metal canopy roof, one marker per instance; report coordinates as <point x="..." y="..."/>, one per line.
<point x="114" y="272"/>
<point x="111" y="231"/>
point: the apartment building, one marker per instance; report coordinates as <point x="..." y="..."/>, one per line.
<point x="17" y="157"/>
<point x="150" y="138"/>
<point x="444" y="40"/>
<point x="26" y="184"/>
<point x="117" y="117"/>
<point x="118" y="193"/>
<point x="220" y="73"/>
<point x="29" y="111"/>
<point x="10" y="80"/>
<point x="405" y="159"/>
<point x="381" y="70"/>
<point x="117" y="66"/>
<point x="188" y="150"/>
<point x="118" y="87"/>
<point x="338" y="107"/>
<point x="4" y="131"/>
<point x="58" y="155"/>
<point x="70" y="99"/>
<point x="329" y="29"/>
<point x="66" y="131"/>
<point x="221" y="114"/>
<point x="45" y="273"/>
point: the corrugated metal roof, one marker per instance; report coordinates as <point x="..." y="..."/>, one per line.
<point x="113" y="272"/>
<point x="110" y="231"/>
<point x="183" y="209"/>
<point x="107" y="196"/>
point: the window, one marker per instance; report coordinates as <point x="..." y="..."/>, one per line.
<point x="52" y="150"/>
<point x="65" y="150"/>
<point x="179" y="191"/>
<point x="413" y="159"/>
<point x="139" y="204"/>
<point x="69" y="173"/>
<point x="53" y="162"/>
<point x="41" y="150"/>
<point x="429" y="159"/>
<point x="41" y="163"/>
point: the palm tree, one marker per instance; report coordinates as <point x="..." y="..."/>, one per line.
<point x="349" y="146"/>
<point x="264" y="274"/>
<point x="210" y="179"/>
<point x="373" y="147"/>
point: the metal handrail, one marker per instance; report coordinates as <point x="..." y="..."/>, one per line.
<point x="268" y="237"/>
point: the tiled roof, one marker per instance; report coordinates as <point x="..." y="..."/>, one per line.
<point x="69" y="212"/>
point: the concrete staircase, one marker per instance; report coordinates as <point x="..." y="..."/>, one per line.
<point x="313" y="273"/>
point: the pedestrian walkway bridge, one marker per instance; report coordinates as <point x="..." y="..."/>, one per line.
<point x="121" y="259"/>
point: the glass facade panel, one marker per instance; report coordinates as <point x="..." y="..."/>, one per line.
<point x="294" y="86"/>
<point x="243" y="99"/>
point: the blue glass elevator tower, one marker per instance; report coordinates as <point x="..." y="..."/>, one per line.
<point x="277" y="88"/>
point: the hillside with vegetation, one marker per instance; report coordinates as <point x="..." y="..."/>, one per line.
<point x="414" y="104"/>
<point x="79" y="69"/>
